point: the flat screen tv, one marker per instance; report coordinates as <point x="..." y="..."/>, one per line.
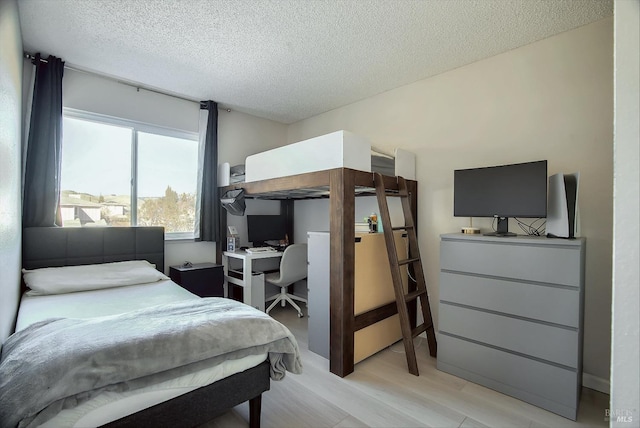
<point x="516" y="190"/>
<point x="263" y="228"/>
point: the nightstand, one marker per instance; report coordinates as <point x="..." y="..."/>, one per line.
<point x="202" y="279"/>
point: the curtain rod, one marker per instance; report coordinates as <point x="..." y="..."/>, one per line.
<point x="122" y="82"/>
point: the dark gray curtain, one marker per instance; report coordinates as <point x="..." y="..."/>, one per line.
<point x="42" y="164"/>
<point x="209" y="215"/>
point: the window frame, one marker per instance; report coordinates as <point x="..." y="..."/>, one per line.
<point x="135" y="127"/>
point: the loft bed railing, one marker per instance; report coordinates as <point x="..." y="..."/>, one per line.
<point x="341" y="186"/>
<point x="312" y="185"/>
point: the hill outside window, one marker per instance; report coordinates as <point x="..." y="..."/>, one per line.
<point x="117" y="172"/>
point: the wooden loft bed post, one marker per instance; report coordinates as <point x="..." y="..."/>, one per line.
<point x="342" y="270"/>
<point x="286" y="210"/>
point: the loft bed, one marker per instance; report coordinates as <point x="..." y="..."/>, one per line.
<point x="91" y="377"/>
<point x="339" y="149"/>
<point x="340" y="185"/>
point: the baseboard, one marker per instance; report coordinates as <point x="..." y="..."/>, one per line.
<point x="597" y="383"/>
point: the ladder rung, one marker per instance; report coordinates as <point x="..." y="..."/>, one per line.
<point x="420" y="329"/>
<point x="397" y="194"/>
<point x="407" y="261"/>
<point x="414" y="295"/>
<point x="402" y="227"/>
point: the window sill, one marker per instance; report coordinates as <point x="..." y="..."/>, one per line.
<point x="179" y="236"/>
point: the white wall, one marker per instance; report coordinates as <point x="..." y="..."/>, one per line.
<point x="625" y="371"/>
<point x="10" y="164"/>
<point x="239" y="134"/>
<point x="549" y="100"/>
<point x="89" y="92"/>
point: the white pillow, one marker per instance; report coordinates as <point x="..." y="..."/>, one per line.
<point x="68" y="279"/>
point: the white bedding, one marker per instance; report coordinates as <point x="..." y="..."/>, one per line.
<point x="69" y="279"/>
<point x="96" y="303"/>
<point x="110" y="406"/>
<point x="340" y="149"/>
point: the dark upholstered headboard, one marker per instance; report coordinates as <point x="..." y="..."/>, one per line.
<point x="59" y="246"/>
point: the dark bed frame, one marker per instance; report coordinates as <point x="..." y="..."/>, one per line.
<point x="56" y="246"/>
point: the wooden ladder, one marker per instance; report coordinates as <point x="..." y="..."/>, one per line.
<point x="413" y="260"/>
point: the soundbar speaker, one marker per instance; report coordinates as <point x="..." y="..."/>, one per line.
<point x="562" y="209"/>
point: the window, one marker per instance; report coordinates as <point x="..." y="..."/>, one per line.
<point x="122" y="173"/>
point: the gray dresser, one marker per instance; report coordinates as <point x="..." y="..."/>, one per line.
<point x="510" y="316"/>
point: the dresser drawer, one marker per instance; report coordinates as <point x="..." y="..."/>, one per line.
<point x="553" y="264"/>
<point x="529" y="300"/>
<point x="543" y="341"/>
<point x="548" y="386"/>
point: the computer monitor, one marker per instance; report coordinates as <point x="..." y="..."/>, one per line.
<point x="516" y="190"/>
<point x="263" y="228"/>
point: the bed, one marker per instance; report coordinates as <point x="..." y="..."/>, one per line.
<point x="193" y="374"/>
<point x="340" y="149"/>
<point x="336" y="166"/>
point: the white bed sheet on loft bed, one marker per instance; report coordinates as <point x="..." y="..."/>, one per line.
<point x="340" y="149"/>
<point x="110" y="406"/>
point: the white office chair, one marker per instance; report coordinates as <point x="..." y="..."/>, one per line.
<point x="293" y="268"/>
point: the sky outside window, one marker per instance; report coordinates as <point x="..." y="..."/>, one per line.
<point x="96" y="158"/>
<point x="166" y="161"/>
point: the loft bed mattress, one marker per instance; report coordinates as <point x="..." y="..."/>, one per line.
<point x="109" y="405"/>
<point x="340" y="149"/>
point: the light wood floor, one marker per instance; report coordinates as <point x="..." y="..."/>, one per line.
<point x="382" y="393"/>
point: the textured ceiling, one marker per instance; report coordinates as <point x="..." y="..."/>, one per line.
<point x="288" y="60"/>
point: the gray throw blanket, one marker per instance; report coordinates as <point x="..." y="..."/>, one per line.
<point x="58" y="363"/>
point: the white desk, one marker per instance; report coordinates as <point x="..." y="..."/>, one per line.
<point x="252" y="284"/>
